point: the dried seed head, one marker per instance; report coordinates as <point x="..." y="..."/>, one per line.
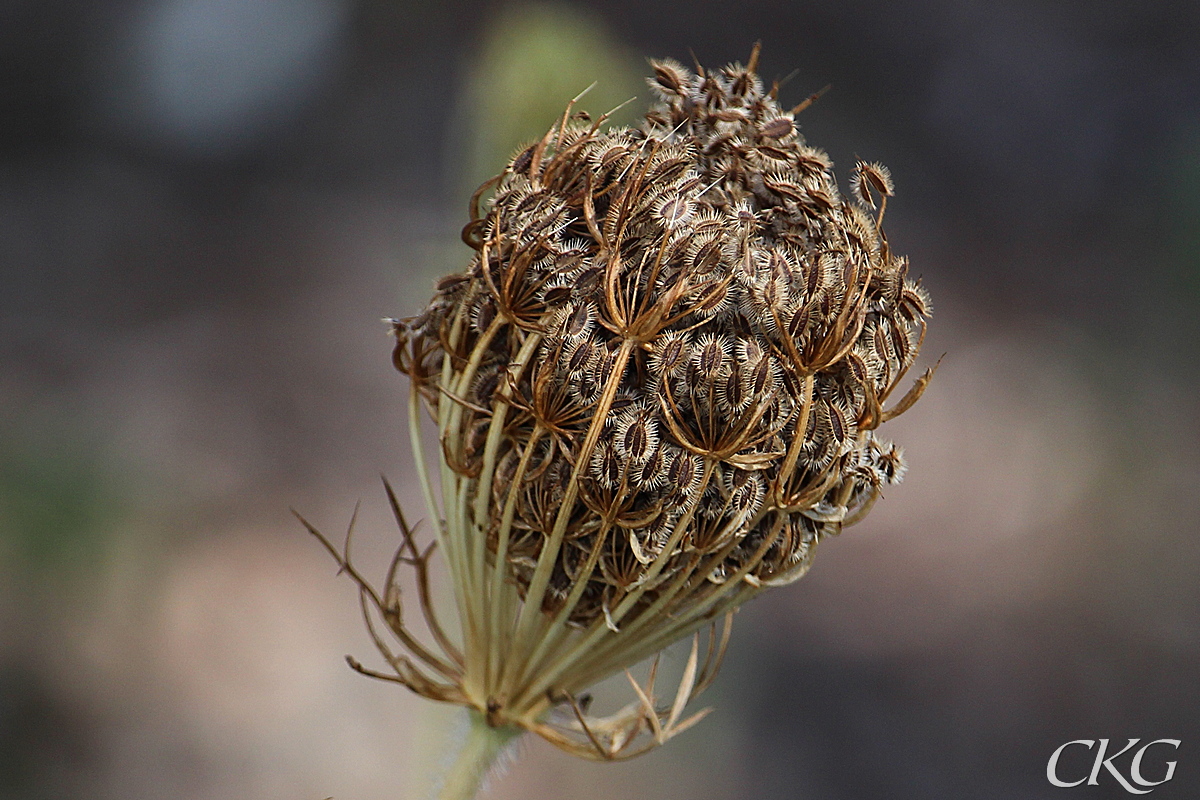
<point x="663" y="368"/>
<point x="740" y="270"/>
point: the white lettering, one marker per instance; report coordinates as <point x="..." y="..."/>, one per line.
<point x="1107" y="764"/>
<point x="1052" y="765"/>
<point x="1135" y="769"/>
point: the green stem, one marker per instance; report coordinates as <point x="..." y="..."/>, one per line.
<point x="483" y="744"/>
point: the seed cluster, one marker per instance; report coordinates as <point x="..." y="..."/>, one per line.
<point x="665" y="365"/>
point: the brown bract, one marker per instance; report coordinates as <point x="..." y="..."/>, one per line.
<point x="656" y="387"/>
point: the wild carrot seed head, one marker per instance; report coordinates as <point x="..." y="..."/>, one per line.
<point x="734" y="307"/>
<point x="657" y="387"/>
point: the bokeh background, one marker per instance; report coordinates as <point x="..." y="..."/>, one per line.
<point x="206" y="206"/>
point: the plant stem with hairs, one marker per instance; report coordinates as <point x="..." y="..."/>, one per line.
<point x="482" y="746"/>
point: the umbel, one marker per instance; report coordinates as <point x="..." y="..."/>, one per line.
<point x="656" y="388"/>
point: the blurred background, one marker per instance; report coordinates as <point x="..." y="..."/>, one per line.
<point x="206" y="206"/>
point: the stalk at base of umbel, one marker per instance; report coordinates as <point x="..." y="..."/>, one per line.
<point x="482" y="746"/>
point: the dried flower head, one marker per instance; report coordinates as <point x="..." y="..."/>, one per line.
<point x="656" y="387"/>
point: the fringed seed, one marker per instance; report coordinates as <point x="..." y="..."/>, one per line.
<point x="778" y="128"/>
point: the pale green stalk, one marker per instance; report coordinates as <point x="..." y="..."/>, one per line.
<point x="478" y="754"/>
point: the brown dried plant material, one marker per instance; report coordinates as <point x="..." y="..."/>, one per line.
<point x="656" y="387"/>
